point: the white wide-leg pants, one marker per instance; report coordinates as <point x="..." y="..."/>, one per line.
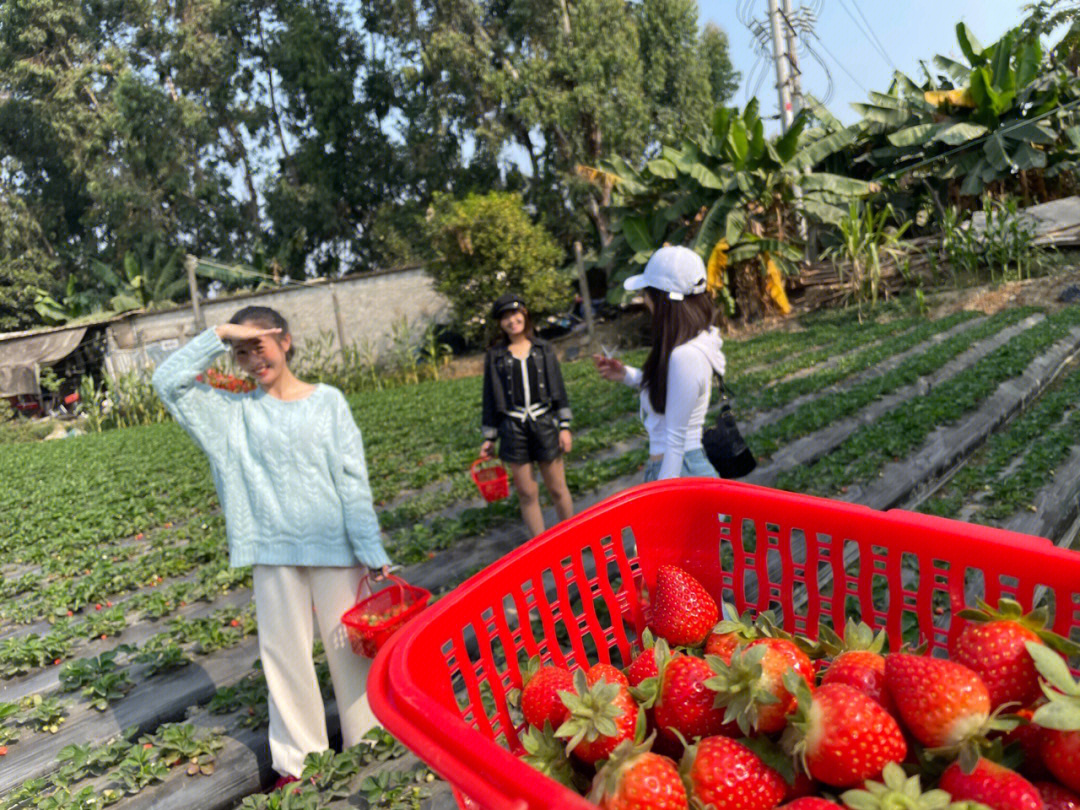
<point x="284" y="598"/>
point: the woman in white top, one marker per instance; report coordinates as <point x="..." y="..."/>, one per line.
<point x="676" y="379"/>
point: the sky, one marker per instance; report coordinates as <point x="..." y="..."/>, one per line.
<point x="907" y="31"/>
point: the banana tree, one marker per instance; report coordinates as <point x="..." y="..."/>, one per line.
<point x="1007" y="114"/>
<point x="734" y="195"/>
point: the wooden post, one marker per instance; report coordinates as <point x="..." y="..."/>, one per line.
<point x="190" y="262"/>
<point x="340" y="323"/>
<point x="586" y="298"/>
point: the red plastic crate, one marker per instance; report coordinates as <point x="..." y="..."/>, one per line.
<point x="440" y="684"/>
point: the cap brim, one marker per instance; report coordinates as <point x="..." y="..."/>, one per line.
<point x="637" y="282"/>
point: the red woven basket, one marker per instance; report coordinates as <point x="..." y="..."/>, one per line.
<point x="492" y="479"/>
<point x="373" y="620"/>
<point x="573" y="595"/>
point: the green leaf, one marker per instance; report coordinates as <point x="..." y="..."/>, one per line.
<point x="738" y="143"/>
<point x="1004" y="78"/>
<point x="973" y="51"/>
<point x="835" y="184"/>
<point x="709" y="232"/>
<point x="1028" y="157"/>
<point x="960" y="133"/>
<point x="883" y="115"/>
<point x="636" y="230"/>
<point x="721" y="122"/>
<point x="809" y="156"/>
<point x="663" y="168"/>
<point x="788" y="145"/>
<point x="1028" y="62"/>
<point x="1053" y="669"/>
<point x="916" y="135"/>
<point x="705" y="177"/>
<point x="973" y="184"/>
<point x="957" y="70"/>
<point x="1073" y="134"/>
<point x="823" y="211"/>
<point x="1029" y="131"/>
<point x="735" y="226"/>
<point x="994" y="149"/>
<point x="818" y="110"/>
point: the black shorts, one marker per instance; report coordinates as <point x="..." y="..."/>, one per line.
<point x="531" y="440"/>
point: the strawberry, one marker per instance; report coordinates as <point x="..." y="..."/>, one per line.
<point x="801" y="785"/>
<point x="684" y="704"/>
<point x="991" y="784"/>
<point x="605" y="672"/>
<point x="858" y="662"/>
<point x="841" y="736"/>
<point x="647" y="663"/>
<point x="726" y="775"/>
<point x="751" y="685"/>
<point x="601" y="716"/>
<point x="729" y="633"/>
<point x="941" y="703"/>
<point x="683" y="612"/>
<point x="811" y="803"/>
<point x="634" y="778"/>
<point x="540" y="701"/>
<point x="1029" y="737"/>
<point x="1060" y="716"/>
<point x="898" y="790"/>
<point x="1055" y="797"/>
<point x="993" y="644"/>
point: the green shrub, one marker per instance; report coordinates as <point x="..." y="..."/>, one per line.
<point x="486" y="245"/>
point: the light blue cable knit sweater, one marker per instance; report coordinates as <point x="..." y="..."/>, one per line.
<point x="290" y="475"/>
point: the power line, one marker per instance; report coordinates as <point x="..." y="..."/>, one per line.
<point x="840" y="64"/>
<point x="866" y="36"/>
<point x="873" y="33"/>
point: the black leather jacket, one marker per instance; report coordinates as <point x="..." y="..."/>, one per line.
<point x="498" y="383"/>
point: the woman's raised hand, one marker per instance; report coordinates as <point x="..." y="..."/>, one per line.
<point x="610" y="368"/>
<point x="235" y="332"/>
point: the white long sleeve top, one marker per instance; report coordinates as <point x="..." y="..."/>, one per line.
<point x="678" y="430"/>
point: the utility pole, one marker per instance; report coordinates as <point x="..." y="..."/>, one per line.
<point x="783" y="75"/>
<point x="190" y="263"/>
<point x="793" y="58"/>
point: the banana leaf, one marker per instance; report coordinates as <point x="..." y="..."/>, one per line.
<point x="891" y="117"/>
<point x="835" y="183"/>
<point x="822" y="211"/>
<point x="705" y="177"/>
<point x="662" y="168"/>
<point x="1029" y="131"/>
<point x="973" y="183"/>
<point x="1028" y="62"/>
<point x="1004" y="78"/>
<point x="958" y="71"/>
<point x="1028" y="157"/>
<point x="811" y="155"/>
<point x="956" y="134"/>
<point x="994" y="149"/>
<point x="916" y="135"/>
<point x="973" y="51"/>
<point x="709" y="232"/>
<point x="818" y="110"/>
<point x="636" y="231"/>
<point x="755" y="247"/>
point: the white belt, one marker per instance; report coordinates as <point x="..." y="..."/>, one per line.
<point x="534" y="411"/>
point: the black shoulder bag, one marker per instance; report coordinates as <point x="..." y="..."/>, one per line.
<point x="724" y="445"/>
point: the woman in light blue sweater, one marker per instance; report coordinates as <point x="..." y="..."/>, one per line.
<point x="288" y="463"/>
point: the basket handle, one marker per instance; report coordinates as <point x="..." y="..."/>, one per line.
<point x="398" y="581"/>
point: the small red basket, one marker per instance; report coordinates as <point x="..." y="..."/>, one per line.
<point x="491" y="479"/>
<point x="574" y="596"/>
<point x="372" y="620"/>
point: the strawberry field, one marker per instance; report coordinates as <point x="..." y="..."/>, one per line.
<point x="127" y="645"/>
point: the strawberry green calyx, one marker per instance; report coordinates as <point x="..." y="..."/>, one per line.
<point x="858" y="636"/>
<point x="547" y="754"/>
<point x="1062" y="712"/>
<point x="740" y="686"/>
<point x="772" y="755"/>
<point x="1009" y="610"/>
<point x="898" y="791"/>
<point x="593" y="711"/>
<point x="606" y="782"/>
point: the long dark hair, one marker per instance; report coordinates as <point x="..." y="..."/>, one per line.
<point x="267" y="318"/>
<point x="673" y="323"/>
<point x="500" y="338"/>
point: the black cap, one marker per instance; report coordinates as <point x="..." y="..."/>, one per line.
<point x="505" y="303"/>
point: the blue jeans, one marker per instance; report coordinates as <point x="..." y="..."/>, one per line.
<point x="694" y="465"/>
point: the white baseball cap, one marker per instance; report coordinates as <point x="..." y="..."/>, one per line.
<point x="676" y="270"/>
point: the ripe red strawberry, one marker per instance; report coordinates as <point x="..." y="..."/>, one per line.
<point x="1060" y="717"/>
<point x="605" y="672"/>
<point x="729" y="633"/>
<point x="1055" y="797"/>
<point x="941" y="703"/>
<point x="540" y="701"/>
<point x="601" y="716"/>
<point x="684" y="704"/>
<point x="751" y="685"/>
<point x="991" y="784"/>
<point x="841" y="736"/>
<point x="648" y="662"/>
<point x="811" y="803"/>
<point x="1029" y="737"/>
<point x="727" y="775"/>
<point x="993" y="644"/>
<point x="683" y="612"/>
<point x="803" y="785"/>
<point x="634" y="778"/>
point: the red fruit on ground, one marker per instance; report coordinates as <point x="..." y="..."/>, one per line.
<point x="863" y="670"/>
<point x="685" y="704"/>
<point x="996" y="651"/>
<point x="1055" y="797"/>
<point x="3" y="750"/>
<point x="991" y="784"/>
<point x="811" y="803"/>
<point x="637" y="779"/>
<point x="683" y="612"/>
<point x="842" y="736"/>
<point x="1061" y="755"/>
<point x="727" y="775"/>
<point x="540" y="700"/>
<point x="942" y="703"/>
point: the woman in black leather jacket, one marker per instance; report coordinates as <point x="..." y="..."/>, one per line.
<point x="526" y="408"/>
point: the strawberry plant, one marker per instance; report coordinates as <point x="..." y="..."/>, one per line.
<point x="42" y="713"/>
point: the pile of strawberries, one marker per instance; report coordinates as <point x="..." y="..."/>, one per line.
<point x="226" y="382"/>
<point x="734" y="714"/>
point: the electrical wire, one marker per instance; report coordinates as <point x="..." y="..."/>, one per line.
<point x="840" y="64"/>
<point x="827" y="97"/>
<point x="873" y="33"/>
<point x="866" y="36"/>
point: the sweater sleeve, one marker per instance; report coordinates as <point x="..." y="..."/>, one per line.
<point x="489" y="418"/>
<point x="200" y="409"/>
<point x="559" y="398"/>
<point x="684" y="390"/>
<point x="361" y="522"/>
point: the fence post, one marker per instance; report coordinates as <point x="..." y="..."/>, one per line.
<point x="190" y="263"/>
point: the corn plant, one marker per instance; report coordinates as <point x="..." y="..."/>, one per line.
<point x="866" y="240"/>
